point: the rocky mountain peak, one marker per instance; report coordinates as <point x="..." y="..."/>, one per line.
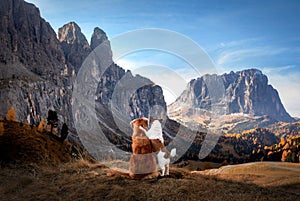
<point x="244" y="92"/>
<point x="74" y="44"/>
<point x="71" y="34"/>
<point x="98" y="37"/>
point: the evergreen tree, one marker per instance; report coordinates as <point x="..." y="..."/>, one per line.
<point x="52" y="120"/>
<point x="64" y="132"/>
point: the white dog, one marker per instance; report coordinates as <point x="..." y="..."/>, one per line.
<point x="157" y="141"/>
<point x="163" y="162"/>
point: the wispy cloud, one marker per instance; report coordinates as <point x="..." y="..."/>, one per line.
<point x="277" y="69"/>
<point x="131" y="65"/>
<point x="236" y="43"/>
<point x="234" y="55"/>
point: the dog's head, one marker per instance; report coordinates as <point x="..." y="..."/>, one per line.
<point x="143" y="122"/>
<point x="153" y="119"/>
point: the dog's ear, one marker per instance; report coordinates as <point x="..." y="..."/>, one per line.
<point x="144" y="123"/>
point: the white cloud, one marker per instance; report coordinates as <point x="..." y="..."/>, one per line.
<point x="234" y="55"/>
<point x="236" y="43"/>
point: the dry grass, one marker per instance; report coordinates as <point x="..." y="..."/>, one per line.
<point x="85" y="181"/>
<point x="284" y="177"/>
<point x="41" y="169"/>
<point x="191" y="165"/>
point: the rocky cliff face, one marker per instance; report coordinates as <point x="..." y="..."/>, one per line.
<point x="98" y="37"/>
<point x="35" y="76"/>
<point x="38" y="70"/>
<point x="74" y="45"/>
<point x="242" y="93"/>
<point x="28" y="39"/>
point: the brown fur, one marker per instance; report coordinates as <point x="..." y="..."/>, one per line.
<point x="142" y="165"/>
<point x="142" y="162"/>
<point x="157" y="145"/>
<point x="135" y="124"/>
<point x="141" y="145"/>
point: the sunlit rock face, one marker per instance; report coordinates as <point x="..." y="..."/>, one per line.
<point x="230" y="95"/>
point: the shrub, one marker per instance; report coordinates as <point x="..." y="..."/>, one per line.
<point x="11" y="115"/>
<point x="41" y="125"/>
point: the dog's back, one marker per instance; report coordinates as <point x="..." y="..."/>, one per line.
<point x="142" y="162"/>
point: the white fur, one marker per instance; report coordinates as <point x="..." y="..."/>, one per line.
<point x="155" y="132"/>
<point x="164" y="163"/>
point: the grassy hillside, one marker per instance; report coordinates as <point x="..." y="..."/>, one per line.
<point x="277" y="175"/>
<point x="24" y="144"/>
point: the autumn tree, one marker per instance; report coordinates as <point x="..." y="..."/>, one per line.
<point x="52" y="120"/>
<point x="64" y="132"/>
<point x="1" y="128"/>
<point x="41" y="125"/>
<point x="11" y="115"/>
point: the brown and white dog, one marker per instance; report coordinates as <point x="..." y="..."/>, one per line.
<point x="142" y="162"/>
<point x="157" y="143"/>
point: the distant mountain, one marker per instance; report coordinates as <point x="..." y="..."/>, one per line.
<point x="230" y="98"/>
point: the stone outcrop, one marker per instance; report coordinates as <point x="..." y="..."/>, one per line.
<point x="245" y="92"/>
<point x="98" y="37"/>
<point x="74" y="44"/>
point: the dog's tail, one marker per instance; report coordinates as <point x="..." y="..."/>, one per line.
<point x="173" y="152"/>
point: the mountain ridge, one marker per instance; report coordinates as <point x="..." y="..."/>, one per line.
<point x="244" y="92"/>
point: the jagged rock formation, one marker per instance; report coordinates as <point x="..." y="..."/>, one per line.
<point x="38" y="70"/>
<point x="74" y="44"/>
<point x="98" y="37"/>
<point x="245" y="92"/>
<point x="28" y="39"/>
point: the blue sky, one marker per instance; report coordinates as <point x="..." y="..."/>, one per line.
<point x="236" y="34"/>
